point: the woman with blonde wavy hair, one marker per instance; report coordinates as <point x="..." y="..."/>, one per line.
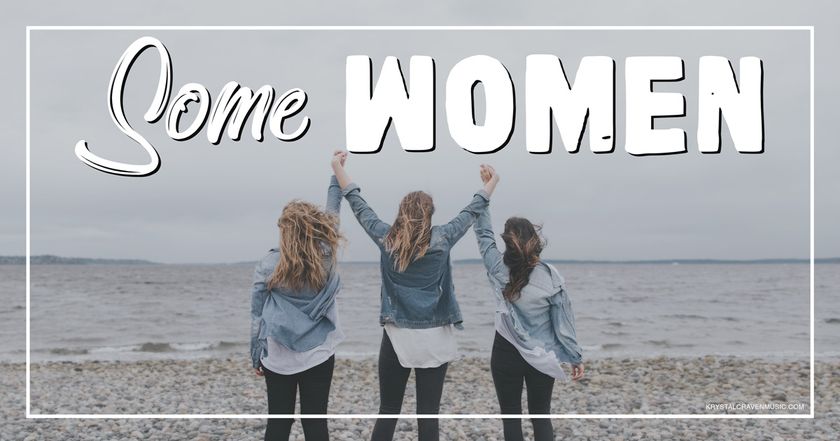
<point x="418" y="304"/>
<point x="294" y="320"/>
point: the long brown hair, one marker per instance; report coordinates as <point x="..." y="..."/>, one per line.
<point x="523" y="246"/>
<point x="307" y="235"/>
<point x="409" y="237"/>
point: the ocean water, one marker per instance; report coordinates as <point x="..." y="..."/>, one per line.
<point x="133" y="312"/>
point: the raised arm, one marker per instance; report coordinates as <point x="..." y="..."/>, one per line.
<point x="333" y="197"/>
<point x="367" y="218"/>
<point x="490" y="254"/>
<point x="338" y="160"/>
<point x="458" y="226"/>
<point x="259" y="294"/>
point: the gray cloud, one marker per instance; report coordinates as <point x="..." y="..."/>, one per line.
<point x="219" y="203"/>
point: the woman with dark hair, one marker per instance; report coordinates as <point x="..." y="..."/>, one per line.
<point x="535" y="326"/>
<point x="418" y="304"/>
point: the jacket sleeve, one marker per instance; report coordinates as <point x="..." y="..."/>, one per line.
<point x="367" y="218"/>
<point x="563" y="320"/>
<point x="458" y="226"/>
<point x="490" y="254"/>
<point x="333" y="197"/>
<point x="259" y="294"/>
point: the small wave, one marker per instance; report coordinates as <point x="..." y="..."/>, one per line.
<point x="615" y="333"/>
<point x="658" y="342"/>
<point x="228" y="344"/>
<point x="686" y="316"/>
<point x="68" y="351"/>
<point x="185" y="347"/>
<point x="595" y="317"/>
<point x="108" y="349"/>
<point x="150" y="347"/>
<point x="668" y="344"/>
<point x="602" y="347"/>
<point x="589" y="318"/>
<point x="633" y="299"/>
<point x="155" y="347"/>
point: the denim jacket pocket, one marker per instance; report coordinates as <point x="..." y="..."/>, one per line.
<point x="415" y="302"/>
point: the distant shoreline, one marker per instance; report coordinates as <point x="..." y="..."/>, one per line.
<point x="48" y="259"/>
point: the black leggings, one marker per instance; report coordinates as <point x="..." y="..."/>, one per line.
<point x="314" y="386"/>
<point x="393" y="378"/>
<point x="509" y="371"/>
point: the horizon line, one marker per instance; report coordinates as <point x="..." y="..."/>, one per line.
<point x="59" y="259"/>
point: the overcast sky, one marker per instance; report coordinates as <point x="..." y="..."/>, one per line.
<point x="220" y="203"/>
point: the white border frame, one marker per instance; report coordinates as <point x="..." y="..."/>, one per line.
<point x="29" y="29"/>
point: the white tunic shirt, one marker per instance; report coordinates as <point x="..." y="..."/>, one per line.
<point x="537" y="357"/>
<point x="284" y="361"/>
<point x="423" y="348"/>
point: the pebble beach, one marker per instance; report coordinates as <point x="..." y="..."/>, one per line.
<point x="612" y="386"/>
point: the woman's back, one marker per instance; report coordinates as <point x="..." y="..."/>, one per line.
<point x="426" y="271"/>
<point x="534" y="302"/>
<point x="422" y="294"/>
<point x="540" y="314"/>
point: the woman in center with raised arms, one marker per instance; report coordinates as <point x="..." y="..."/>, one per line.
<point x="418" y="304"/>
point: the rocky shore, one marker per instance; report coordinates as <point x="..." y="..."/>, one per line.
<point x="612" y="386"/>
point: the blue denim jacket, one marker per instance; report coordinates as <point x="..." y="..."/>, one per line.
<point x="297" y="320"/>
<point x="542" y="316"/>
<point x="423" y="296"/>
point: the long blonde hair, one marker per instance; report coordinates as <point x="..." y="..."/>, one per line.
<point x="409" y="237"/>
<point x="307" y="235"/>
